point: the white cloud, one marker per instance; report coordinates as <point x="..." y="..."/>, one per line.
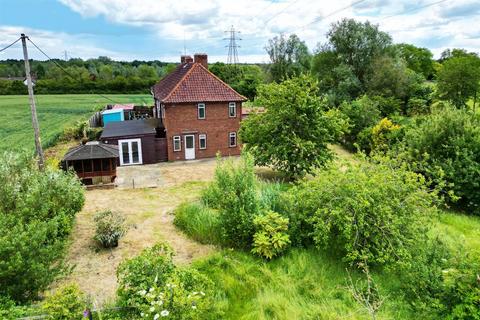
<point x="52" y="43"/>
<point x="202" y="24"/>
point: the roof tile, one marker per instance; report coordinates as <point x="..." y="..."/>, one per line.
<point x="192" y="82"/>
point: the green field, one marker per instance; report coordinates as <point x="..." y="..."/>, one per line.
<point x="55" y="112"/>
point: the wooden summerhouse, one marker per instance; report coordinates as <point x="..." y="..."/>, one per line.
<point x="94" y="162"/>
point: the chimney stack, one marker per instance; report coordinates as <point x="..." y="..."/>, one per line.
<point x="201" y="58"/>
<point x="185" y="59"/>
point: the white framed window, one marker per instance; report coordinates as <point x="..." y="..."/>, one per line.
<point x="130" y="151"/>
<point x="202" y="141"/>
<point x="201" y="110"/>
<point x="232" y="141"/>
<point x="177" y="143"/>
<point x="232" y="110"/>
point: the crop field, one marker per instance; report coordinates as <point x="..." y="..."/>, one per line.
<point x="55" y="113"/>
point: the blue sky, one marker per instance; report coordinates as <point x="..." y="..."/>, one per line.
<point x="159" y="29"/>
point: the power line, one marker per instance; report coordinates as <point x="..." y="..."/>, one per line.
<point x="411" y="10"/>
<point x="11" y="44"/>
<point x="65" y="71"/>
<point x="331" y="14"/>
<point x="280" y="12"/>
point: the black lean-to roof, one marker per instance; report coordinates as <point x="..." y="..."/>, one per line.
<point x="95" y="150"/>
<point x="130" y="128"/>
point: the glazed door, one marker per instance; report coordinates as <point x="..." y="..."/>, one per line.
<point x="189" y="147"/>
<point x="130" y="151"/>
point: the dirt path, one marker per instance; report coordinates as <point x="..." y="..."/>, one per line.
<point x="148" y="213"/>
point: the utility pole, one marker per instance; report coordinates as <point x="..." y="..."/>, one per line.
<point x="232" y="46"/>
<point x="66" y="55"/>
<point x="33" y="109"/>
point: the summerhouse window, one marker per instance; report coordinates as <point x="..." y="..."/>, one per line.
<point x="202" y="141"/>
<point x="201" y="111"/>
<point x="177" y="144"/>
<point x="233" y="139"/>
<point x="232" y="109"/>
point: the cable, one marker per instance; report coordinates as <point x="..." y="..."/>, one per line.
<point x="66" y="72"/>
<point x="412" y="10"/>
<point x="11" y="44"/>
<point x="332" y="13"/>
<point x="280" y="12"/>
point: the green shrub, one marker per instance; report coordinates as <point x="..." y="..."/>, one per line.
<point x="37" y="211"/>
<point x="362" y="113"/>
<point x="365" y="212"/>
<point x="153" y="265"/>
<point x="238" y="203"/>
<point x="270" y="238"/>
<point x="186" y="295"/>
<point x="439" y="284"/>
<point x="199" y="222"/>
<point x="67" y="303"/>
<point x="417" y="107"/>
<point x="445" y="148"/>
<point x="155" y="288"/>
<point x="110" y="227"/>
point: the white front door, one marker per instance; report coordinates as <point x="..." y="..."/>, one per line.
<point x="189" y="147"/>
<point x="130" y="151"/>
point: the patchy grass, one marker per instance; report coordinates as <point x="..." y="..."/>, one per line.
<point x="55" y="112"/>
<point x="303" y="284"/>
<point x="198" y="222"/>
<point x="459" y="228"/>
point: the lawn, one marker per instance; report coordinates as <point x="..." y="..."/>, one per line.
<point x="55" y="112"/>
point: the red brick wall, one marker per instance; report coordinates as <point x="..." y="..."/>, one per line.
<point x="181" y="119"/>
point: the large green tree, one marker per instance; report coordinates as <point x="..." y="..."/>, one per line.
<point x="288" y="56"/>
<point x="292" y="135"/>
<point x="357" y="44"/>
<point x="459" y="79"/>
<point x="418" y="59"/>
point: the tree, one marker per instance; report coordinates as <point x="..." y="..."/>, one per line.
<point x="357" y="44"/>
<point x="292" y="135"/>
<point x="417" y="59"/>
<point x="459" y="79"/>
<point x="37" y="210"/>
<point x="289" y="57"/>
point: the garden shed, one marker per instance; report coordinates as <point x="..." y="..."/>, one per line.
<point x="94" y="162"/>
<point x="112" y="115"/>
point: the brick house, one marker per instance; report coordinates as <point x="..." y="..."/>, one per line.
<point x="195" y="116"/>
<point x="200" y="113"/>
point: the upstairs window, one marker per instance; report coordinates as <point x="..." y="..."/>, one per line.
<point x="232" y="109"/>
<point x="177" y="145"/>
<point x="202" y="141"/>
<point x="201" y="110"/>
<point x="232" y="139"/>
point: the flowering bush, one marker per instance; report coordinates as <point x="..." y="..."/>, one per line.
<point x="271" y="236"/>
<point x="176" y="299"/>
<point x="156" y="288"/>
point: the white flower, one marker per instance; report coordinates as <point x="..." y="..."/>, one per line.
<point x="169" y="285"/>
<point x="194" y="307"/>
<point x="152" y="309"/>
<point x="195" y="293"/>
<point x="151" y="289"/>
<point x="142" y="314"/>
<point x="202" y="293"/>
<point x="164" y="313"/>
<point x="156" y="316"/>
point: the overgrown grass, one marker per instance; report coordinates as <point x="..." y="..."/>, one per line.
<point x="198" y="222"/>
<point x="303" y="284"/>
<point x="55" y="113"/>
<point x="461" y="229"/>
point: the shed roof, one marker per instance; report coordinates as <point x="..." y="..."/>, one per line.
<point x="130" y="128"/>
<point x="95" y="150"/>
<point x="192" y="82"/>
